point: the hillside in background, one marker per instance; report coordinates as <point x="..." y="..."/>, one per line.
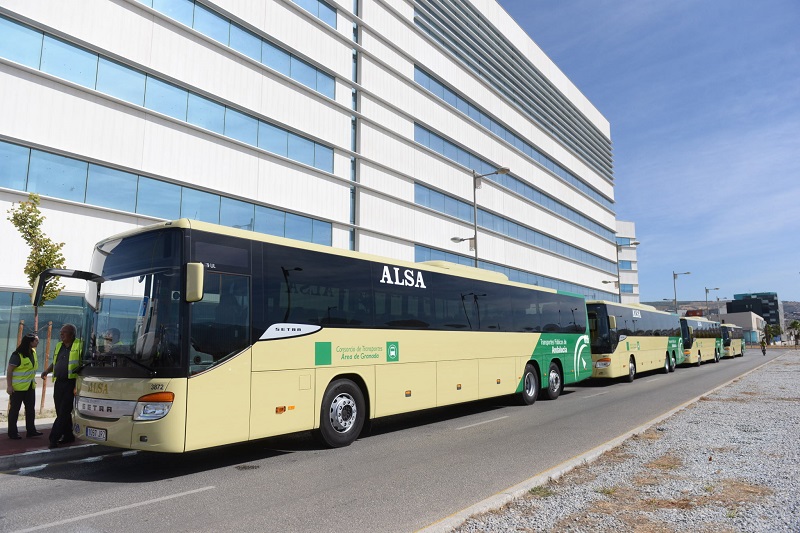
<point x="791" y="310"/>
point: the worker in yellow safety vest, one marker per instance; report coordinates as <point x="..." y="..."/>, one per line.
<point x="66" y="359"/>
<point x="21" y="386"/>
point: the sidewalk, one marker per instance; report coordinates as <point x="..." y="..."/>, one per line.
<point x="27" y="452"/>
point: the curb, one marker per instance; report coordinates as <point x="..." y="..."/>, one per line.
<point x="448" y="524"/>
<point x="56" y="455"/>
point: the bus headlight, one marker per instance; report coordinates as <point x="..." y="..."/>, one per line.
<point x="153" y="406"/>
<point x="603" y="363"/>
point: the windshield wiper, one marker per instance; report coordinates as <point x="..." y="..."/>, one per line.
<point x="150" y="371"/>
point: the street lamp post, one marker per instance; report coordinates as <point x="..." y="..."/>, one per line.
<point x="707" y="291"/>
<point x="675" y="287"/>
<point x="476" y="184"/>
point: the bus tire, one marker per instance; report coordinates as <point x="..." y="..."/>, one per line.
<point x="716" y="356"/>
<point x="342" y="414"/>
<point x="555" y="383"/>
<point x="673" y="362"/>
<point x="530" y="386"/>
<point x="667" y="365"/>
<point x="631" y="369"/>
<point x="699" y="358"/>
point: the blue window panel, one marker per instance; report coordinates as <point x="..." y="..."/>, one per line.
<point x="323" y="157"/>
<point x="206" y="114"/>
<point x="421" y="135"/>
<point x="451" y="206"/>
<point x="69" y="62"/>
<point x="58" y="176"/>
<point x="626" y="265"/>
<point x="13" y="166"/>
<point x="158" y="199"/>
<point x="437" y="88"/>
<point x="421" y="77"/>
<point x="200" y="205"/>
<point x="245" y="42"/>
<point x="323" y="232"/>
<point x="327" y="14"/>
<point x="241" y="127"/>
<point x="212" y="25"/>
<point x="275" y="140"/>
<point x="451" y="151"/>
<point x="437" y="201"/>
<point x="626" y="288"/>
<point x="20" y="43"/>
<point x="301" y="150"/>
<point x="299" y="227"/>
<point x="326" y="84"/>
<point x="237" y="214"/>
<point x="462" y="105"/>
<point x="474" y="113"/>
<point x="312" y="6"/>
<point x="275" y="58"/>
<point x="303" y="72"/>
<point x="475" y="164"/>
<point x="180" y="10"/>
<point x="463" y="158"/>
<point x="270" y="221"/>
<point x="165" y="98"/>
<point x="421" y="195"/>
<point x="465" y="212"/>
<point x="450" y="97"/>
<point x="111" y="188"/>
<point x="437" y="144"/>
<point x="485" y="121"/>
<point x="497" y="129"/>
<point x="120" y="81"/>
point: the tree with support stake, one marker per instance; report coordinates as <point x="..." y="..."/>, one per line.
<point x="44" y="254"/>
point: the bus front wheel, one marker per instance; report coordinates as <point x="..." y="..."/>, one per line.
<point x="667" y="365"/>
<point x="342" y="414"/>
<point x="530" y="386"/>
<point x="672" y="363"/>
<point x="554" y="382"/>
<point x="631" y="369"/>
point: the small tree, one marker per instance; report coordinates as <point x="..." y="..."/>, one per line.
<point x="45" y="253"/>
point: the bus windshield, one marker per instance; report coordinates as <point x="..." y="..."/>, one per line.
<point x="134" y="313"/>
<point x="603" y="338"/>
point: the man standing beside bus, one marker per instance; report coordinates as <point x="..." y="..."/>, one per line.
<point x="66" y="358"/>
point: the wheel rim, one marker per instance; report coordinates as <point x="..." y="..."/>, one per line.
<point x="343" y="412"/>
<point x="555" y="381"/>
<point x="529" y="385"/>
<point x="631" y="368"/>
<point x="666" y="364"/>
<point x="673" y="362"/>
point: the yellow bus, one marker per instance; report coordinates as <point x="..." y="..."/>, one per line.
<point x="241" y="336"/>
<point x="627" y="339"/>
<point x="732" y="340"/>
<point x="702" y="340"/>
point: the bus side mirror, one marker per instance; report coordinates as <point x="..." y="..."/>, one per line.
<point x="194" y="282"/>
<point x="34" y="290"/>
<point x="612" y="322"/>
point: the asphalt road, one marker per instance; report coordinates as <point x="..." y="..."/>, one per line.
<point x="412" y="471"/>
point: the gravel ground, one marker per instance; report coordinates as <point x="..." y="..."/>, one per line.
<point x="727" y="463"/>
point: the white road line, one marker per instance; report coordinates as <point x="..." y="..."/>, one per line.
<point x="480" y="423"/>
<point x="114" y="510"/>
<point x="593" y="395"/>
<point x="652" y="380"/>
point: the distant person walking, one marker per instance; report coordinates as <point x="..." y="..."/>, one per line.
<point x="66" y="359"/>
<point x="21" y="386"/>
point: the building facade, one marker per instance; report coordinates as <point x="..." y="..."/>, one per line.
<point x="360" y="125"/>
<point x="627" y="262"/>
<point x="767" y="305"/>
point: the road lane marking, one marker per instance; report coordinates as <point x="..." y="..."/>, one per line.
<point x="652" y="380"/>
<point x="114" y="510"/>
<point x="480" y="423"/>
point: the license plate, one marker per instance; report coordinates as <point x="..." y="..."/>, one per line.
<point x="96" y="433"/>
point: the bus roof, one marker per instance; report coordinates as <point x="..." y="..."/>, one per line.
<point x="643" y="307"/>
<point x="432" y="266"/>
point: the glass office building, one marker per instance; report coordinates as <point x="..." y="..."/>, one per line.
<point x="358" y="124"/>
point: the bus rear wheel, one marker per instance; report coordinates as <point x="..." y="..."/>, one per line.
<point x="342" y="414"/>
<point x="667" y="366"/>
<point x="554" y="382"/>
<point x="530" y="386"/>
<point x="631" y="369"/>
<point x="716" y="356"/>
<point x="699" y="358"/>
<point x="673" y="363"/>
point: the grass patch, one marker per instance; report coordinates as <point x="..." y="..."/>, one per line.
<point x="541" y="491"/>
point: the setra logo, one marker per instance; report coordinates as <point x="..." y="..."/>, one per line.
<point x="392" y="351"/>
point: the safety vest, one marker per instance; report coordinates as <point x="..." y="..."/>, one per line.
<point x="22" y="377"/>
<point x="74" y="359"/>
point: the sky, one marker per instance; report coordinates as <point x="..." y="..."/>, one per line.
<point x="703" y="98"/>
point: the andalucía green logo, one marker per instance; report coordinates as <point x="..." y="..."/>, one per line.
<point x="392" y="352"/>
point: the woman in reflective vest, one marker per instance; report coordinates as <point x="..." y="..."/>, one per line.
<point x="21" y="386"/>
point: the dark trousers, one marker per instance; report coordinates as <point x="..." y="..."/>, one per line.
<point x="27" y="397"/>
<point x="63" y="397"/>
